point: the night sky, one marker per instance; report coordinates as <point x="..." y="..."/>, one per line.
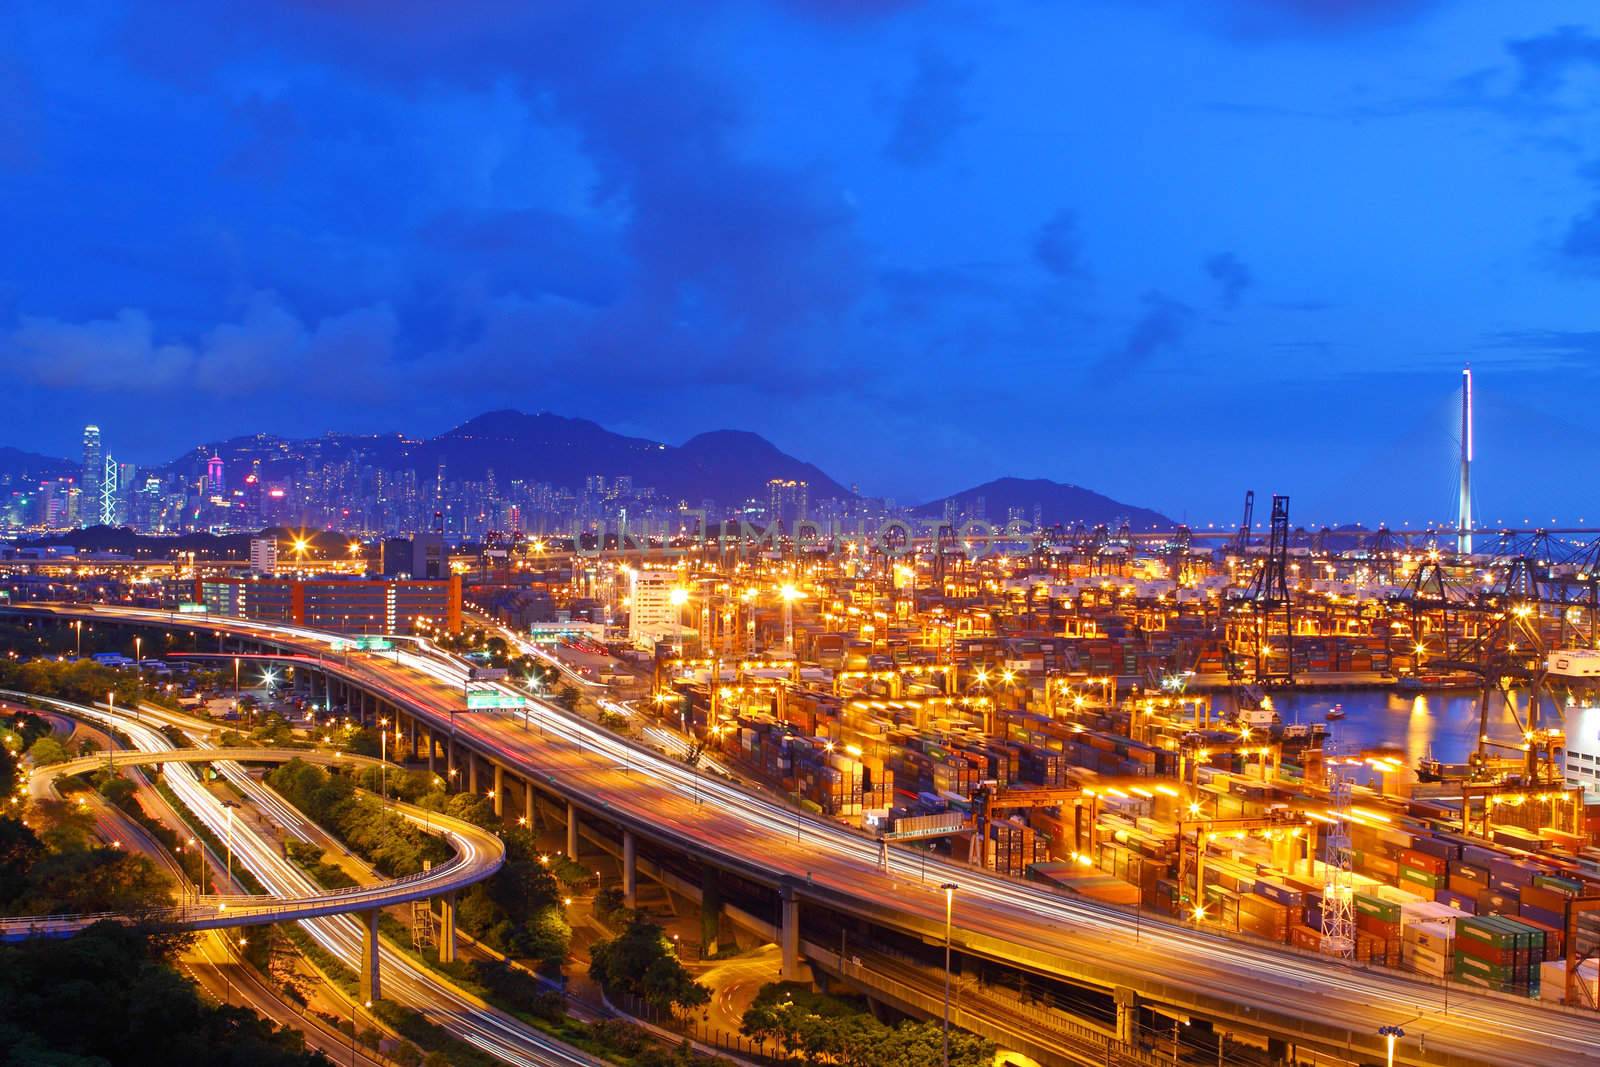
<point x="1166" y="249"/>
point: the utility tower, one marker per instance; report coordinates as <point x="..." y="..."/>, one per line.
<point x="1338" y="907"/>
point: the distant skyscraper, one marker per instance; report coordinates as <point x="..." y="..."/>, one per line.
<point x="109" y="495"/>
<point x="93" y="470"/>
<point x="263" y="556"/>
<point x="788" y="502"/>
<point x="214" y="486"/>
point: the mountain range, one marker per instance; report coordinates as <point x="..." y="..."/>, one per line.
<point x="1055" y="502"/>
<point x="728" y="466"/>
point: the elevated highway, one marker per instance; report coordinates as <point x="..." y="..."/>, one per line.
<point x="343" y="936"/>
<point x="1309" y="1001"/>
<point x="478" y="855"/>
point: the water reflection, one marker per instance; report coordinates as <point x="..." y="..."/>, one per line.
<point x="1442" y="723"/>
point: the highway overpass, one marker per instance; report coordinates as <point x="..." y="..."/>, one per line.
<point x="811" y="864"/>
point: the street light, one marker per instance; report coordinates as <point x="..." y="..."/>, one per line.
<point x="199" y="869"/>
<point x="1391" y="1033"/>
<point x="230" y="805"/>
<point x="949" y="908"/>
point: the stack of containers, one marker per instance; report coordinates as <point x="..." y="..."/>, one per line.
<point x="1553" y="983"/>
<point x="1377" y="928"/>
<point x="1264" y="916"/>
<point x="1428" y="947"/>
<point x="1496" y="952"/>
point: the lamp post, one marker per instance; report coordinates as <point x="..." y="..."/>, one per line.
<point x="229" y="805"/>
<point x="789" y="594"/>
<point x="199" y="869"/>
<point x="949" y="908"/>
<point x="383" y="769"/>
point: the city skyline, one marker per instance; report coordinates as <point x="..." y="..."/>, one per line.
<point x="990" y="240"/>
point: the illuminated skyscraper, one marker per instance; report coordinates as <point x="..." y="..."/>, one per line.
<point x="110" y="483"/>
<point x="93" y="471"/>
<point x="788" y="503"/>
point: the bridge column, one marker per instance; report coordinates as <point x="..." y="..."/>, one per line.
<point x="572" y="831"/>
<point x="432" y="746"/>
<point x="369" y="956"/>
<point x="630" y="870"/>
<point x="499" y="790"/>
<point x="452" y="771"/>
<point x="413" y="735"/>
<point x="472" y="772"/>
<point x="1127" y="1016"/>
<point x="710" y="911"/>
<point x="528" y="813"/>
<point x="447" y="928"/>
<point x="789" y="934"/>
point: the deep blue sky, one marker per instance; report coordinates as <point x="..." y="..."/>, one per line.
<point x="1165" y="249"/>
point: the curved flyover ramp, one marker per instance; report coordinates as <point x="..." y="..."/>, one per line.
<point x="478" y="855"/>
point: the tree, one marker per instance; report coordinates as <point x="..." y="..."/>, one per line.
<point x="641" y="961"/>
<point x="45" y="751"/>
<point x="110" y="995"/>
<point x="101" y="879"/>
<point x="20" y="849"/>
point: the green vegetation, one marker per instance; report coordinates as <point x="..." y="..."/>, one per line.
<point x="83" y="681"/>
<point x="61" y="871"/>
<point x="52" y="865"/>
<point x="824" y="1029"/>
<point x="110" y="995"/>
<point x="641" y="962"/>
<point x="45" y="751"/>
<point x="518" y="912"/>
<point x="386" y="840"/>
<point x="312" y="860"/>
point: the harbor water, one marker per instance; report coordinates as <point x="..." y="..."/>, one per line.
<point x="1415" y="725"/>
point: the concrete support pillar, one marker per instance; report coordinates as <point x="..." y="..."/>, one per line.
<point x="789" y="934"/>
<point x="472" y="772"/>
<point x="369" y="956"/>
<point x="710" y="911"/>
<point x="452" y="771"/>
<point x="499" y="790"/>
<point x="431" y="748"/>
<point x="572" y="831"/>
<point x="1127" y="1016"/>
<point x="527" y="804"/>
<point x="630" y="870"/>
<point x="447" y="928"/>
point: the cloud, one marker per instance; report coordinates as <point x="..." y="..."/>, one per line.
<point x="931" y="111"/>
<point x="1057" y="246"/>
<point x="1582" y="242"/>
<point x="1545" y="62"/>
<point x="851" y="10"/>
<point x="1566" y="351"/>
<point x="1278" y="18"/>
<point x="1231" y="275"/>
<point x="267" y="348"/>
<point x="1161" y="326"/>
